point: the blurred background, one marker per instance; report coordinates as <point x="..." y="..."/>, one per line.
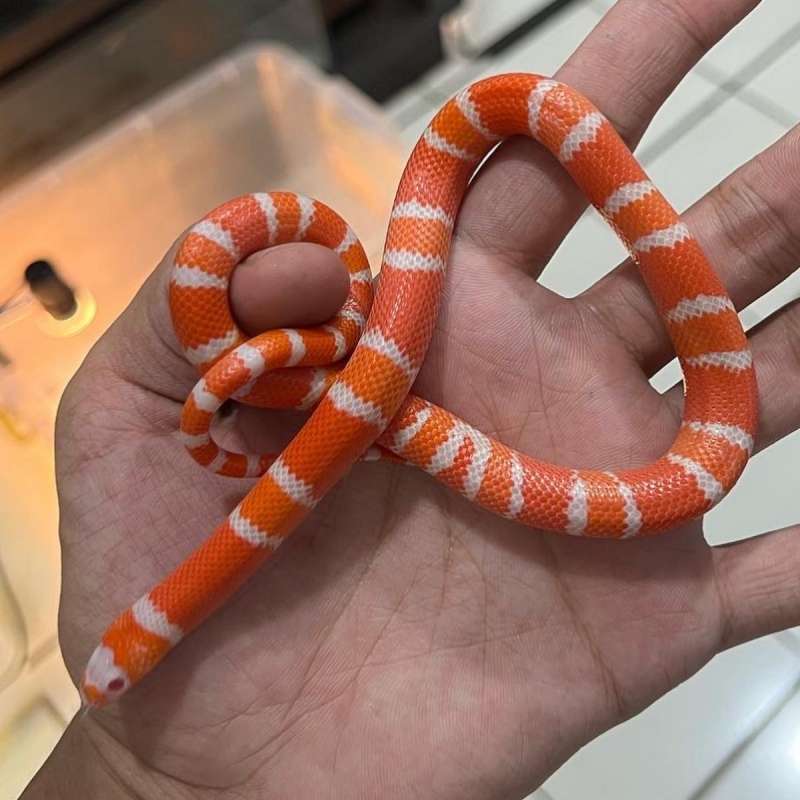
<point x="103" y="162"/>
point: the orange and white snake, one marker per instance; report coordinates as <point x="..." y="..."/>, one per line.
<point x="364" y="409"/>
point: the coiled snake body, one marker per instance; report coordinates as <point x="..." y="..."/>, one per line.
<point x="364" y="410"/>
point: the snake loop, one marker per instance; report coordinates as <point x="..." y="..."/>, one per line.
<point x="364" y="409"/>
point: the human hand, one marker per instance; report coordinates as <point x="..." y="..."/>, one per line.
<point x="404" y="641"/>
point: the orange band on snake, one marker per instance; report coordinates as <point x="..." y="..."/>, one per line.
<point x="364" y="410"/>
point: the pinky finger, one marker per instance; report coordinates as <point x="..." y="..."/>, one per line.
<point x="757" y="583"/>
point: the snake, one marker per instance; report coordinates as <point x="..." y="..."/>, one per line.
<point x="355" y="372"/>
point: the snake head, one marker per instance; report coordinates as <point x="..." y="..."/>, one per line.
<point x="103" y="680"/>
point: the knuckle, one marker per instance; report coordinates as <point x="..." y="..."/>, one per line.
<point x="755" y="225"/>
<point x="679" y="14"/>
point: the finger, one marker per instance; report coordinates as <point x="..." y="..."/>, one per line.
<point x="522" y="204"/>
<point x="776" y="352"/>
<point x="758" y="587"/>
<point x="289" y="285"/>
<point x="748" y="226"/>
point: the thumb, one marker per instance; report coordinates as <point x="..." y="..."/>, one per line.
<point x="291" y="285"/>
<point x="288" y="285"/>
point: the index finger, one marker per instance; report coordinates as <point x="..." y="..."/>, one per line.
<point x="627" y="66"/>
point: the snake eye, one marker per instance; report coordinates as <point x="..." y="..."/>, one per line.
<point x="116" y="685"/>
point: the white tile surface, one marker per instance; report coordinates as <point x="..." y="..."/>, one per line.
<point x="780" y="82"/>
<point x="540" y="794"/>
<point x="764" y="499"/>
<point x="785" y="292"/>
<point x="703" y="156"/>
<point x="758" y="32"/>
<point x="691" y="99"/>
<point x="791" y="640"/>
<point x="769" y="767"/>
<point x="590" y="250"/>
<point x="668" y="751"/>
<point x="547" y="47"/>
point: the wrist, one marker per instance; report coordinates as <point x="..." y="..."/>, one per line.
<point x="88" y="762"/>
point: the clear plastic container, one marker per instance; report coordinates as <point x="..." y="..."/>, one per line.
<point x="104" y="215"/>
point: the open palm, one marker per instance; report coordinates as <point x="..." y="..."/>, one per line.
<point x="404" y="642"/>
